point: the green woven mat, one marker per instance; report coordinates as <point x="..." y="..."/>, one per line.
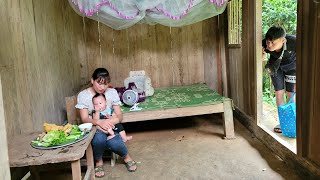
<point x="181" y="96"/>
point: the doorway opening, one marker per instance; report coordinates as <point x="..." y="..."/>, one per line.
<point x="284" y="14"/>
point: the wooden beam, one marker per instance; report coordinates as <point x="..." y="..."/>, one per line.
<point x="258" y="60"/>
<point x="308" y="43"/>
<point x="248" y="56"/>
<point x="171" y="113"/>
<point x="222" y="25"/>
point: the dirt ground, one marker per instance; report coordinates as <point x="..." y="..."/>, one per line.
<point x="193" y="148"/>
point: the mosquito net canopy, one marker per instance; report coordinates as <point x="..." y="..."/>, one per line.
<point x="121" y="14"/>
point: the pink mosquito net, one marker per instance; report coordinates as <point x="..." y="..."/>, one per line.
<point x="121" y="14"/>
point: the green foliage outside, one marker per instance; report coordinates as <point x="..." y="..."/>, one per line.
<point x="280" y="12"/>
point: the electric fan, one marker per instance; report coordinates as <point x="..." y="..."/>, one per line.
<point x="130" y="97"/>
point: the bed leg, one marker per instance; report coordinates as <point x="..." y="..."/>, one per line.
<point x="228" y="119"/>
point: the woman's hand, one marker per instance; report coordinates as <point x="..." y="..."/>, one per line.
<point x="105" y="131"/>
<point x="105" y="124"/>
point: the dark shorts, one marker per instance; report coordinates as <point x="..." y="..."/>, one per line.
<point x="118" y="128"/>
<point x="284" y="80"/>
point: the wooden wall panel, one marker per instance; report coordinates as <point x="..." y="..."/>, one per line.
<point x="163" y="53"/>
<point x="235" y="74"/>
<point x="53" y="45"/>
<point x="51" y="52"/>
<point x="136" y="59"/>
<point x="195" y="58"/>
<point x="178" y="57"/>
<point x="40" y="60"/>
<point x="308" y="40"/>
<point x="223" y="42"/>
<point x="315" y="123"/>
<point x="92" y="47"/>
<point x="211" y="67"/>
<point x="148" y="45"/>
<point x="170" y="56"/>
<point x="7" y="57"/>
<point x="245" y="63"/>
<point x="248" y="58"/>
<point x="122" y="50"/>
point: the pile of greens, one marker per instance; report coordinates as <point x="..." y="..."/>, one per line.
<point x="58" y="137"/>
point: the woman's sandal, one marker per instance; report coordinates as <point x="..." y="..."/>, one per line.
<point x="129" y="164"/>
<point x="99" y="169"/>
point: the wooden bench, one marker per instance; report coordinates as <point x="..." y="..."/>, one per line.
<point x="21" y="154"/>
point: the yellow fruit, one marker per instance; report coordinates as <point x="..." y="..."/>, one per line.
<point x="51" y="127"/>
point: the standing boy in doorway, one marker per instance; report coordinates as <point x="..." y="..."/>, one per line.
<point x="281" y="64"/>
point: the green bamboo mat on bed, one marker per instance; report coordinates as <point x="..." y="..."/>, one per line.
<point x="180" y="96"/>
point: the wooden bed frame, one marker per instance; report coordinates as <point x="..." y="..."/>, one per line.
<point x="225" y="107"/>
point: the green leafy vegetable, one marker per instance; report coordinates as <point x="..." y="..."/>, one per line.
<point x="58" y="137"/>
<point x="54" y="137"/>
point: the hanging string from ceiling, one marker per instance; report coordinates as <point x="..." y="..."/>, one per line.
<point x="99" y="38"/>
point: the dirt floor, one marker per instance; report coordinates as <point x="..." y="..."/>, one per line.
<point x="193" y="148"/>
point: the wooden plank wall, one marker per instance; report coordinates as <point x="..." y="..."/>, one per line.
<point x="314" y="152"/>
<point x="242" y="65"/>
<point x="170" y="56"/>
<point x="212" y="55"/>
<point x="245" y="66"/>
<point x="249" y="75"/>
<point x="235" y="75"/>
<point x="49" y="52"/>
<point x="308" y="76"/>
<point x="40" y="53"/>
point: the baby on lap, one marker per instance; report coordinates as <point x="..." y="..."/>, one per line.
<point x="102" y="111"/>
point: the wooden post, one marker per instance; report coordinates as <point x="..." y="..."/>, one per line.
<point x="34" y="172"/>
<point x="228" y="119"/>
<point x="258" y="57"/>
<point x="90" y="162"/>
<point x="4" y="157"/>
<point x="76" y="170"/>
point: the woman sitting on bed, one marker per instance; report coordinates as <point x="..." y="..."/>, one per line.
<point x="100" y="80"/>
<point x="102" y="111"/>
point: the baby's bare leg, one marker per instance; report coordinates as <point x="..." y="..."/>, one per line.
<point x="124" y="136"/>
<point x="110" y="134"/>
